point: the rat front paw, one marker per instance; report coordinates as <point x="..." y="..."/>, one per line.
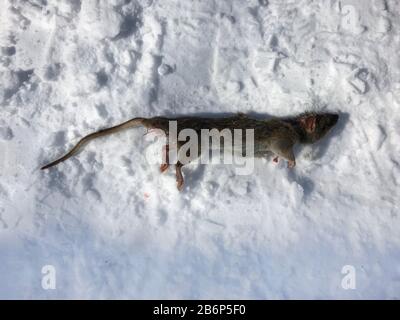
<point x="291" y="164"/>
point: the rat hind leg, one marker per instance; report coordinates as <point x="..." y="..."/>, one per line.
<point x="179" y="177"/>
<point x="165" y="164"/>
<point x="183" y="160"/>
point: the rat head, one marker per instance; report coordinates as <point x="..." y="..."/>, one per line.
<point x="316" y="125"/>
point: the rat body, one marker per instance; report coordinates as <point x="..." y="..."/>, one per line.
<point x="277" y="136"/>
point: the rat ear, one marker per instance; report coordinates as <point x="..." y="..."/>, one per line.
<point x="308" y="123"/>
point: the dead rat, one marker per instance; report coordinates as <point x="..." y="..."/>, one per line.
<point x="277" y="136"/>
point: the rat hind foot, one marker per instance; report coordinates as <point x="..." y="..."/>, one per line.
<point x="179" y="176"/>
<point x="164" y="166"/>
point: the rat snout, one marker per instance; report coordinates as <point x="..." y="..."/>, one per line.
<point x="325" y="122"/>
<point x="332" y="119"/>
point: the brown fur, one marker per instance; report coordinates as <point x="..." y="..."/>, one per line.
<point x="275" y="135"/>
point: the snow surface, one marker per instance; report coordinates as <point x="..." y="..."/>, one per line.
<point x="114" y="227"/>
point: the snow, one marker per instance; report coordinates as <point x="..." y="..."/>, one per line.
<point x="114" y="227"/>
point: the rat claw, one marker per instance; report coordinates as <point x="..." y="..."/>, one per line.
<point x="179" y="183"/>
<point x="179" y="176"/>
<point x="164" y="167"/>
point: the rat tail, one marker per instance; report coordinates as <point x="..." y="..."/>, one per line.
<point x="125" y="125"/>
